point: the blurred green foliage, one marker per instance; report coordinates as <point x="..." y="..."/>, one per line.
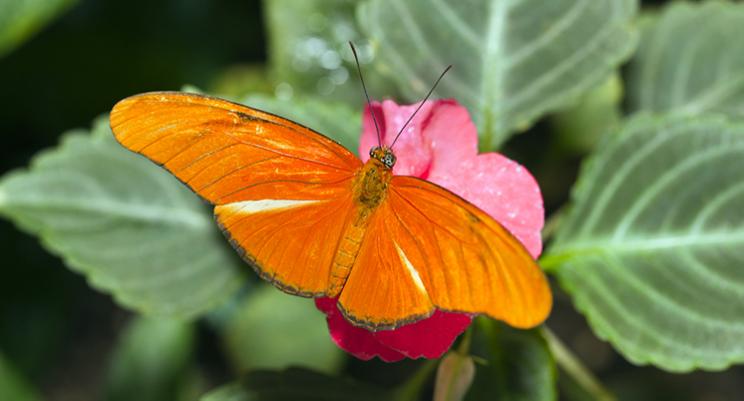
<point x="20" y="19"/>
<point x="13" y="386"/>
<point x="150" y="361"/>
<point x="94" y="203"/>
<point x="514" y="64"/>
<point x="518" y="367"/>
<point x="296" y="384"/>
<point x="273" y="331"/>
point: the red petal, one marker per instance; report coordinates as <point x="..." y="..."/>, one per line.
<point x="355" y="340"/>
<point x="428" y="338"/>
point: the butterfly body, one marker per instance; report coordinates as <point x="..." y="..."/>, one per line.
<point x="369" y="188"/>
<point x="315" y="221"/>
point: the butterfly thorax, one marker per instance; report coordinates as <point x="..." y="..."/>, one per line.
<point x="371" y="183"/>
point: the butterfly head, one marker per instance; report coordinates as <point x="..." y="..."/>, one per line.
<point x="384" y="155"/>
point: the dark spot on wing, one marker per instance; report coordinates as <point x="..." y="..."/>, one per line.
<point x="248" y="117"/>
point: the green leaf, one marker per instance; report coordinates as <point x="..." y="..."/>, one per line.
<point x="150" y="360"/>
<point x="295" y="384"/>
<point x="273" y="330"/>
<point x="238" y="80"/>
<point x="518" y="366"/>
<point x="12" y="385"/>
<point x="309" y="51"/>
<point x="512" y="61"/>
<point x="652" y="248"/>
<point x="334" y="120"/>
<point x="126" y="224"/>
<point x="454" y="377"/>
<point x="229" y="392"/>
<point x="691" y="59"/>
<point x="20" y="19"/>
<point x="580" y="126"/>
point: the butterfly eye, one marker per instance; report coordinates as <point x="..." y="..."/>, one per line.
<point x="389" y="160"/>
<point x="372" y="151"/>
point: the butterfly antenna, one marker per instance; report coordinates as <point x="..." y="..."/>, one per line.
<point x="420" y="105"/>
<point x="364" y="87"/>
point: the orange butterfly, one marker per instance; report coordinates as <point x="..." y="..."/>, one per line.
<point x="315" y="221"/>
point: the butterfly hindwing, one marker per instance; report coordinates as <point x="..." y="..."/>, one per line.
<point x="383" y="291"/>
<point x="458" y="258"/>
<point x="290" y="243"/>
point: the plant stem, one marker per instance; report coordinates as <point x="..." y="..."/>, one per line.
<point x="411" y="389"/>
<point x="575" y="370"/>
<point x="464" y="347"/>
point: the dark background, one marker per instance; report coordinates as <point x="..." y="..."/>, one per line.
<point x="57" y="330"/>
<point x="53" y="327"/>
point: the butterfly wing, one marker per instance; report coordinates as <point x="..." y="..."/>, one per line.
<point x="274" y="182"/>
<point x="428" y="248"/>
<point x="228" y="152"/>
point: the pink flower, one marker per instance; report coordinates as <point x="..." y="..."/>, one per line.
<point x="441" y="145"/>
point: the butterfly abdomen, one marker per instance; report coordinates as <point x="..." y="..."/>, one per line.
<point x="346" y="255"/>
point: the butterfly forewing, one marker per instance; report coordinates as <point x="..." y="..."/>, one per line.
<point x="227" y="152"/>
<point x="279" y="188"/>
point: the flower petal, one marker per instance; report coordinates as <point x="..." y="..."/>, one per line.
<point x="355" y="340"/>
<point x="411" y="144"/>
<point x="428" y="338"/>
<point x="451" y="135"/>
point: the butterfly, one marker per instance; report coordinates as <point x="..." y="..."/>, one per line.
<point x="314" y="220"/>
